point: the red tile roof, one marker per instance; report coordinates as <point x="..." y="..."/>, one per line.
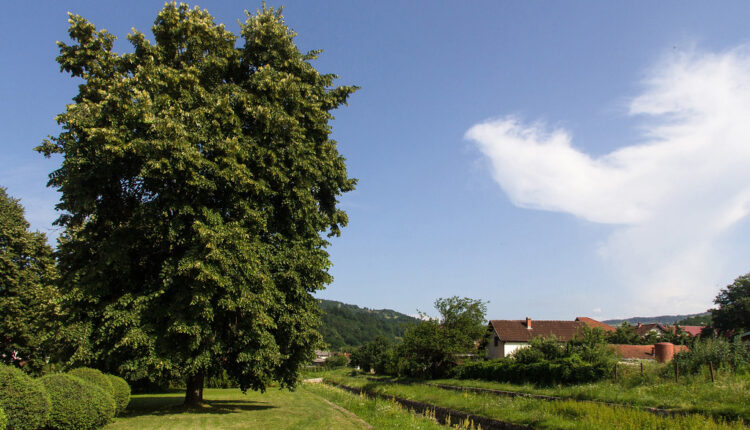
<point x="595" y="324"/>
<point x="516" y="331"/>
<point x="692" y="330"/>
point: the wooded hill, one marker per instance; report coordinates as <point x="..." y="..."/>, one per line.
<point x="347" y="325"/>
<point x="692" y="319"/>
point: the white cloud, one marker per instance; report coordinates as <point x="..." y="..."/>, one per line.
<point x="671" y="196"/>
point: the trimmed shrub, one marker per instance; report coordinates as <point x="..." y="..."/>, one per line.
<point x="23" y="399"/>
<point x="3" y="419"/>
<point x="77" y="404"/>
<point x="96" y="377"/>
<point x="122" y="393"/>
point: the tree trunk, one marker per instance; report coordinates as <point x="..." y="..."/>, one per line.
<point x="194" y="392"/>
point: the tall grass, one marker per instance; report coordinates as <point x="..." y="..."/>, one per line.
<point x="538" y="413"/>
<point x="728" y="397"/>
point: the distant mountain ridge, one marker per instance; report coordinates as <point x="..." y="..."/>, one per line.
<point x="663" y="319"/>
<point x="347" y="325"/>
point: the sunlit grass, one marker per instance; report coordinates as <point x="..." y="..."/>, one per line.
<point x="537" y="413"/>
<point x="230" y="409"/>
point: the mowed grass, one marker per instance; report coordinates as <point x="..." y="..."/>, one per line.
<point x="230" y="409"/>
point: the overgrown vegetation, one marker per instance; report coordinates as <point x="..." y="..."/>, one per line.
<point x="716" y="352"/>
<point x="537" y="413"/>
<point x="546" y="361"/>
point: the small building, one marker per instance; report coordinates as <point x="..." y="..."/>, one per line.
<point x="510" y="335"/>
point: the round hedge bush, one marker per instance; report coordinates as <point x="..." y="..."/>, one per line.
<point x="23" y="399"/>
<point x="3" y="419"/>
<point x="94" y="376"/>
<point x="77" y="404"/>
<point x="122" y="392"/>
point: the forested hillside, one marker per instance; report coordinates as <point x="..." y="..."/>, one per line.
<point x="691" y="319"/>
<point x="349" y="325"/>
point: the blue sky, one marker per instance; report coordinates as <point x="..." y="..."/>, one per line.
<point x="558" y="159"/>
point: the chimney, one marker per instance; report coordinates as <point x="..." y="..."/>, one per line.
<point x="528" y="323"/>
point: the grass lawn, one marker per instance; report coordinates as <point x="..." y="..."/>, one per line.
<point x="230" y="409"/>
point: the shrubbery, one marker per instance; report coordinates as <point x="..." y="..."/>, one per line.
<point x="3" y="419"/>
<point x="546" y="362"/>
<point x="568" y="370"/>
<point x="77" y="404"/>
<point x="24" y="400"/>
<point x="338" y="360"/>
<point x="95" y="377"/>
<point x="122" y="393"/>
<point x="720" y="352"/>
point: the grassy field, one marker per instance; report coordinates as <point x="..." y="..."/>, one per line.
<point x="230" y="409"/>
<point x="538" y="413"/>
<point x="312" y="406"/>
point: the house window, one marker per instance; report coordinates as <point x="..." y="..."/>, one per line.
<point x="497" y="340"/>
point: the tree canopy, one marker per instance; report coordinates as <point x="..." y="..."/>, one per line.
<point x="198" y="183"/>
<point x="29" y="306"/>
<point x="732" y="317"/>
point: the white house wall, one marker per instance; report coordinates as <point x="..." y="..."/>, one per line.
<point x="503" y="349"/>
<point x="510" y="347"/>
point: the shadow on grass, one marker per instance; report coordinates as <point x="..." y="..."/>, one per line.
<point x="169" y="405"/>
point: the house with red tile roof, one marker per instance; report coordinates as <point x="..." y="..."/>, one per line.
<point x="509" y="335"/>
<point x="595" y="324"/>
<point x="660" y="329"/>
<point x="692" y="330"/>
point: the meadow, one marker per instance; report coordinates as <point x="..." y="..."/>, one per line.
<point x="566" y="414"/>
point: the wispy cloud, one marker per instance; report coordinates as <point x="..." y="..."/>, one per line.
<point x="671" y="197"/>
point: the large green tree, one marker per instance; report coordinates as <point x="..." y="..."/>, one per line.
<point x="29" y="301"/>
<point x="732" y="317"/>
<point x="198" y="184"/>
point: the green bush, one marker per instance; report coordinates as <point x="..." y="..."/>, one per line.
<point x="586" y="358"/>
<point x="335" y="361"/>
<point x="122" y="393"/>
<point x="568" y="370"/>
<point x="3" y="420"/>
<point x="77" y="404"/>
<point x="96" y="377"/>
<point x="23" y="399"/>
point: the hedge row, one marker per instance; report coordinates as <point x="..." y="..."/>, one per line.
<point x="81" y="399"/>
<point x="568" y="370"/>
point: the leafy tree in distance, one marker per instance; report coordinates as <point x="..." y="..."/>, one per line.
<point x="197" y="180"/>
<point x="430" y="347"/>
<point x="29" y="307"/>
<point x="732" y="317"/>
